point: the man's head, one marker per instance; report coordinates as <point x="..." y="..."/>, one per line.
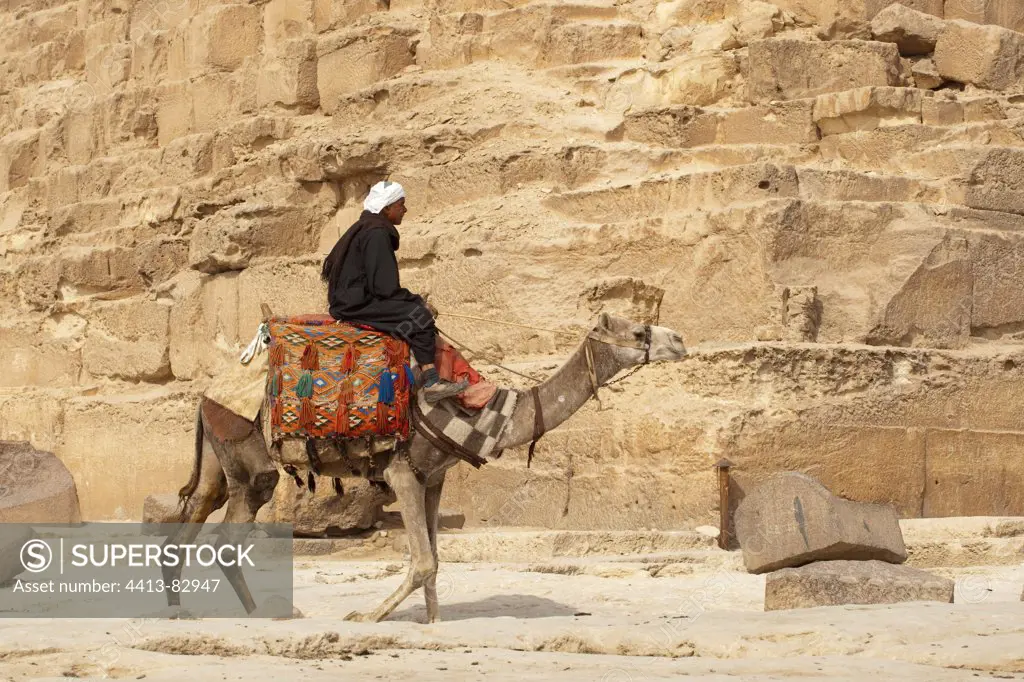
<point x="395" y="212"/>
<point x="387" y="199"/>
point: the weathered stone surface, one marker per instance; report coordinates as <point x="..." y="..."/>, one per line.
<point x="355" y="61"/>
<point x="793" y="69"/>
<point x="791" y="520"/>
<point x="128" y="340"/>
<point x="926" y="76"/>
<point x="834" y="583"/>
<point x="996" y="183"/>
<point x="915" y="33"/>
<point x="867" y="109"/>
<point x="775" y="123"/>
<point x="35" y="487"/>
<point x="680" y="126"/>
<point x="1006" y="13"/>
<point x="986" y="56"/>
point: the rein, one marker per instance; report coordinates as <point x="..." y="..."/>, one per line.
<point x="539" y="429"/>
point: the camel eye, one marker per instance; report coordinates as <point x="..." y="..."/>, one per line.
<point x="639" y="334"/>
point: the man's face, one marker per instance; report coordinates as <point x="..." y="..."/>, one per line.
<point x="395" y="212"/>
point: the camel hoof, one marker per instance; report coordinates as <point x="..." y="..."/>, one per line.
<point x="173" y="613"/>
<point x="356" y="617"/>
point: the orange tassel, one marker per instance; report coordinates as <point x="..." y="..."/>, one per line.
<point x="341" y="424"/>
<point x="382" y="419"/>
<point x="348" y="363"/>
<point x="277" y="354"/>
<point x="275" y="413"/>
<point x="310" y="357"/>
<point x="307" y="415"/>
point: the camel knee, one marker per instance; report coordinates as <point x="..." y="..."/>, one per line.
<point x="424" y="570"/>
<point x="264" y="483"/>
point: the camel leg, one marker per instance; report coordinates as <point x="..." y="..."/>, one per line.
<point x="411" y="496"/>
<point x="251" y="479"/>
<point x="432" y="508"/>
<point x="208" y="496"/>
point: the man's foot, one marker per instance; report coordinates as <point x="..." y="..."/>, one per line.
<point x="440" y="389"/>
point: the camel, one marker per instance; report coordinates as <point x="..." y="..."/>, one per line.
<point x="234" y="464"/>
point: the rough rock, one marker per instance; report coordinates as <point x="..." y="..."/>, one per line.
<point x="35" y="487"/>
<point x="834" y="583"/>
<point x="986" y="56"/>
<point x="926" y="76"/>
<point x="866" y="109"/>
<point x="915" y="33"/>
<point x="1006" y="13"/>
<point x="791" y="520"/>
<point x="792" y="69"/>
<point x="324" y="512"/>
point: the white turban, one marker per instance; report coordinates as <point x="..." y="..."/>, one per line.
<point x="383" y="194"/>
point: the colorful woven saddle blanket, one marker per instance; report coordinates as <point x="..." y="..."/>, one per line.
<point x="330" y="379"/>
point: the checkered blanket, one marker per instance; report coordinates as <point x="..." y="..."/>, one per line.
<point x="472" y="437"/>
<point x="332" y="379"/>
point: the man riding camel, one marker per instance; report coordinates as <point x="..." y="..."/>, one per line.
<point x="363" y="285"/>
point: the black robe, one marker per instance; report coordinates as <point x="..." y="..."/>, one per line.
<point x="363" y="286"/>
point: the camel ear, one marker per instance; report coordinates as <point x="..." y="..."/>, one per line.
<point x="604" y="322"/>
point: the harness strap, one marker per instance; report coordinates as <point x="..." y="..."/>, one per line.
<point x="592" y="372"/>
<point x="538" y="424"/>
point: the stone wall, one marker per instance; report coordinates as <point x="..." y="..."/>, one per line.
<point x="824" y="199"/>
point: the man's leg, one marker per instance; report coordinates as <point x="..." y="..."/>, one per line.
<point x="421" y="335"/>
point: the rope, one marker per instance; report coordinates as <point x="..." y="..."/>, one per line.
<point x="575" y="335"/>
<point x="486" y="358"/>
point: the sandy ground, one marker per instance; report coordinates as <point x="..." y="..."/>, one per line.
<point x="611" y="618"/>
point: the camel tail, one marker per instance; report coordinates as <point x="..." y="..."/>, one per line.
<point x="186" y="492"/>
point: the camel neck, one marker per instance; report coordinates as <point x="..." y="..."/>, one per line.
<point x="562" y="394"/>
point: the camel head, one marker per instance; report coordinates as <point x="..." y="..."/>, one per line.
<point x="665" y="344"/>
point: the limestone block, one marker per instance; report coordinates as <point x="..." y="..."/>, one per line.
<point x="324" y="512"/>
<point x="791" y="520"/>
<point x="231" y="238"/>
<point x="677" y="12"/>
<point x="289" y="78"/>
<point x="915" y="33"/>
<point x="289" y="288"/>
<point x="997" y="260"/>
<point x="33" y="415"/>
<point x="983" y="109"/>
<point x="174" y="111"/>
<point x="782" y="69"/>
<point x="867" y="109"/>
<point x="933" y="308"/>
<point x="714" y="37"/>
<point x="335" y="14"/>
<point x="974" y="473"/>
<point x="11" y="541"/>
<point x="941" y="112"/>
<point x="698" y="80"/>
<point x="154" y="429"/>
<point x="850" y="17"/>
<point x="926" y="76"/>
<point x="675" y="126"/>
<point x="997" y="182"/>
<point x="287" y="20"/>
<point x="356" y="60"/>
<point x="755" y="20"/>
<point x="35" y="487"/>
<point x="834" y="583"/>
<point x="223" y="37"/>
<point x="31" y="358"/>
<point x="85" y="272"/>
<point x="776" y="123"/>
<point x="986" y="56"/>
<point x="218" y="97"/>
<point x="19" y="159"/>
<point x="1006" y="13"/>
<point x="128" y="340"/>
